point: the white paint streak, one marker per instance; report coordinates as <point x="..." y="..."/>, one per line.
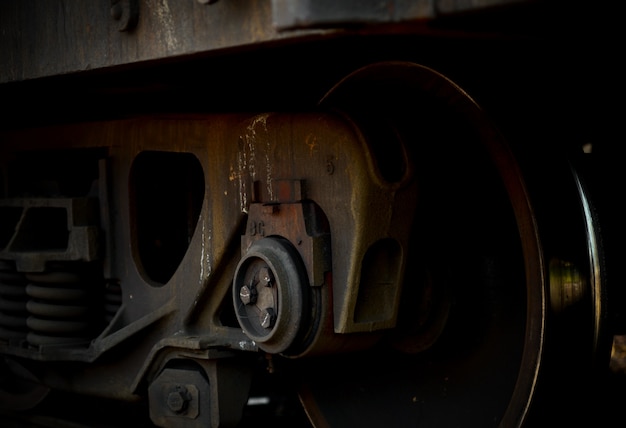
<point x="202" y="251"/>
<point x="252" y="158"/>
<point x="247" y="162"/>
<point x="252" y="138"/>
<point x="268" y="170"/>
<point x="241" y="165"/>
<point x="205" y="261"/>
<point x="164" y="16"/>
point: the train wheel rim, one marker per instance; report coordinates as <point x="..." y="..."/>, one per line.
<point x="482" y="369"/>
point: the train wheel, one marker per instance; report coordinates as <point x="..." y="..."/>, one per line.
<point x="492" y="283"/>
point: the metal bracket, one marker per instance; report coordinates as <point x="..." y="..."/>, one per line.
<point x="297" y="220"/>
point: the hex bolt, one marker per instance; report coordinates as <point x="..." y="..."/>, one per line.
<point x="178" y="400"/>
<point x="248" y="294"/>
<point x="116" y="11"/>
<point x="268" y="318"/>
<point x="266" y="278"/>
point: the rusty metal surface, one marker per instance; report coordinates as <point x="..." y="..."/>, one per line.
<point x="40" y="38"/>
<point x="209" y="180"/>
<point x="49" y="38"/>
<point x="172" y="291"/>
<point x="175" y="195"/>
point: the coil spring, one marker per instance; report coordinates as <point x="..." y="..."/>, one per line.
<point x="13" y="297"/>
<point x="112" y="300"/>
<point x="60" y="308"/>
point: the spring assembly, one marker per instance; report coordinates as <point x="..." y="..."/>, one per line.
<point x="13" y="297"/>
<point x="60" y="308"/>
<point x="112" y="300"/>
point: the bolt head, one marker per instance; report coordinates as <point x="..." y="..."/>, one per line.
<point x="248" y="294"/>
<point x="116" y="11"/>
<point x="268" y="318"/>
<point x="266" y="277"/>
<point x="178" y="400"/>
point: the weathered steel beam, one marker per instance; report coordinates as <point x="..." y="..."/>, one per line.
<point x="49" y="38"/>
<point x="39" y="39"/>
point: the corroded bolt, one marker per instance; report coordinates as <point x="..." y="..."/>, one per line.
<point x="266" y="278"/>
<point x="178" y="400"/>
<point x="248" y="294"/>
<point x="116" y="11"/>
<point x="268" y="318"/>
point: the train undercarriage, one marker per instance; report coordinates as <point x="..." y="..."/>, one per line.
<point x="412" y="222"/>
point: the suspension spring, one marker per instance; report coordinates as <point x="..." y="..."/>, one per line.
<point x="60" y="308"/>
<point x="112" y="300"/>
<point x="13" y="297"/>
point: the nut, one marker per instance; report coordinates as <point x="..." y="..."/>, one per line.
<point x="266" y="278"/>
<point x="178" y="400"/>
<point x="268" y="318"/>
<point x="248" y="294"/>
